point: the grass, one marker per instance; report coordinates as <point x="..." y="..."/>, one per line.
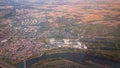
<point x="56" y="63"/>
<point x="96" y="29"/>
<point x="64" y="50"/>
<point x="116" y="31"/>
<point x="108" y="54"/>
<point x="8" y="61"/>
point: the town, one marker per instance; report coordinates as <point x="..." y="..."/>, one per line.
<point x="28" y="29"/>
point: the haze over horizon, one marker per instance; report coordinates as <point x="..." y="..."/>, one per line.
<point x="87" y="1"/>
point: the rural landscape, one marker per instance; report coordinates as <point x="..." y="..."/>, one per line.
<point x="59" y="33"/>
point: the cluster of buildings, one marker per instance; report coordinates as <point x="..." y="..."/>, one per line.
<point x="18" y="49"/>
<point x="71" y="43"/>
<point x="25" y="48"/>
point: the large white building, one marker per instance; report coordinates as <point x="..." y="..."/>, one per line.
<point x="71" y="43"/>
